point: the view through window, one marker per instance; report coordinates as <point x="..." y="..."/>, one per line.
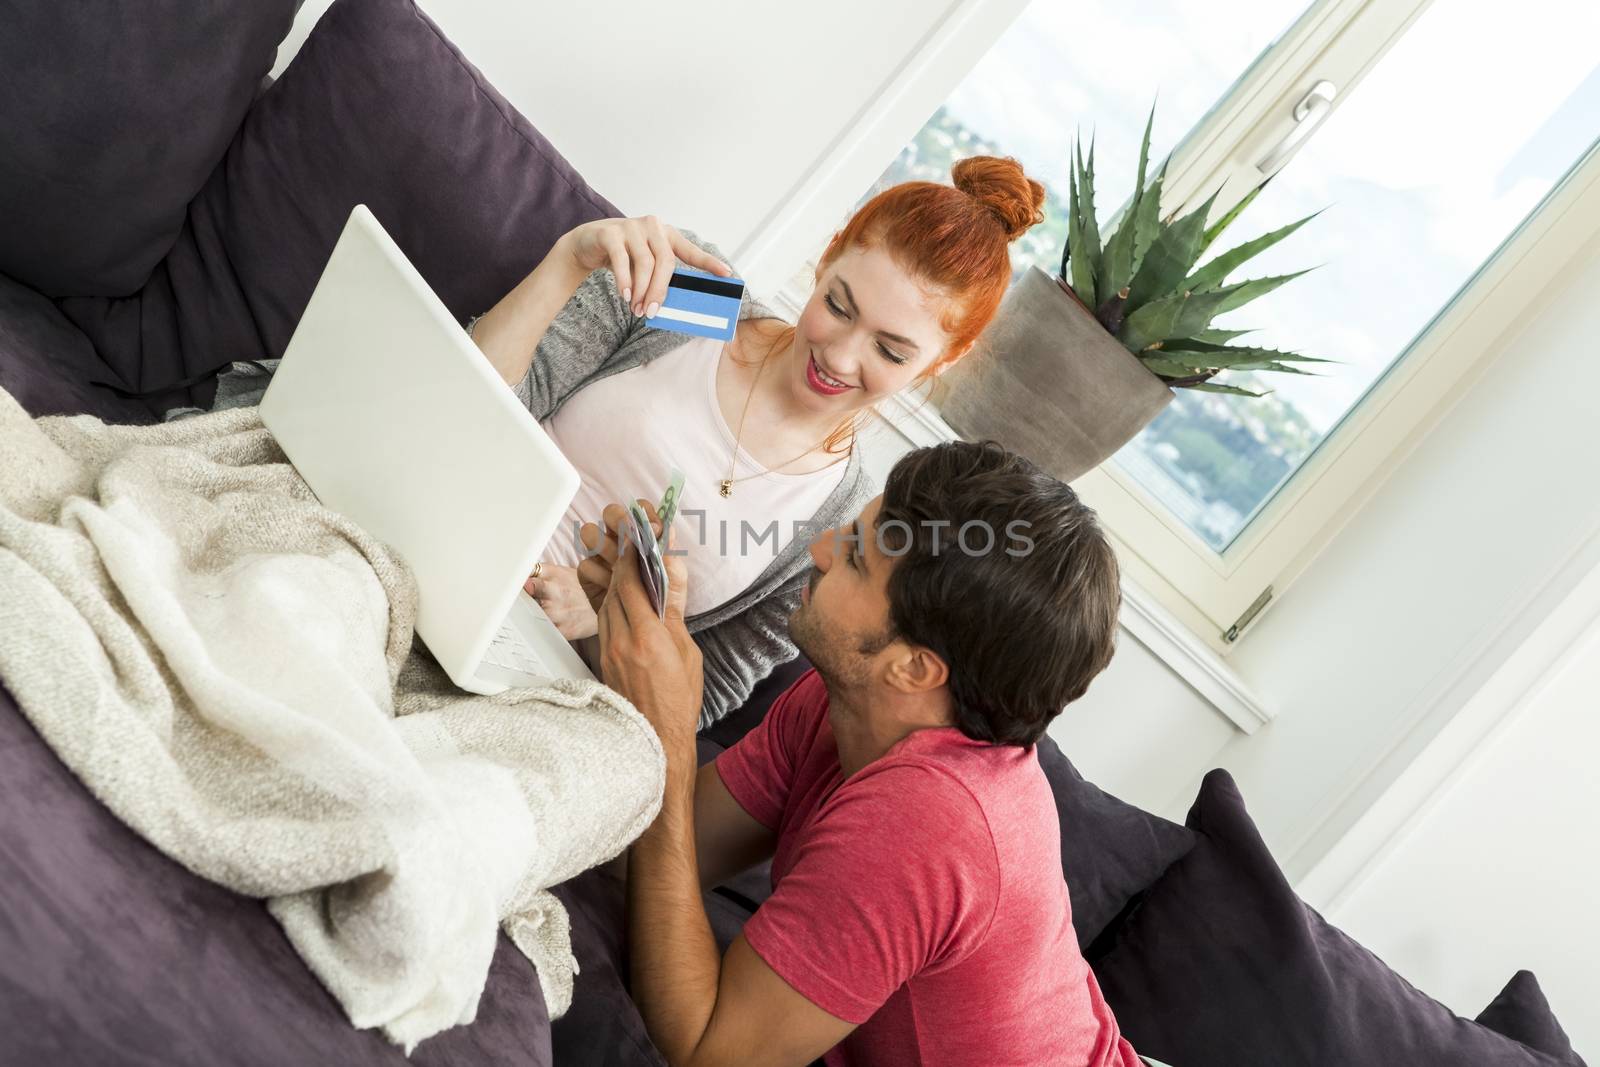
<point x="1423" y="172"/>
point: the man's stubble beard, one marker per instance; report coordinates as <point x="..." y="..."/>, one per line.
<point x="806" y="636"/>
<point x="839" y="663"/>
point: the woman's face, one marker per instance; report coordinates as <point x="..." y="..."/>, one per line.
<point x="868" y="330"/>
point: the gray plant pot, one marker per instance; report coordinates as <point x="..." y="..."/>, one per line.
<point x="1047" y="381"/>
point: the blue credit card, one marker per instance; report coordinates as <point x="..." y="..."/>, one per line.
<point x="699" y="303"/>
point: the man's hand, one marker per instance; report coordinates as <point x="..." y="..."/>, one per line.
<point x="652" y="662"/>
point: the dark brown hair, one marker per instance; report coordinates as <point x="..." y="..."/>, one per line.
<point x="1005" y="574"/>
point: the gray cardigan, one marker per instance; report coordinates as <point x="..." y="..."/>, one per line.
<point x="596" y="335"/>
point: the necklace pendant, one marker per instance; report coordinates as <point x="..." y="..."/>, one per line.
<point x="727" y="487"/>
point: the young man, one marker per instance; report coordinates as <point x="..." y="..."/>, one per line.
<point x="918" y="914"/>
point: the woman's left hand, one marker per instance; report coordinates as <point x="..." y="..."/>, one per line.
<point x="558" y="593"/>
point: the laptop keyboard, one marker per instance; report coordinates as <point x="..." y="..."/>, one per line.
<point x="510" y="651"/>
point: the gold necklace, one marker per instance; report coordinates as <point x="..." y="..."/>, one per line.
<point x="725" y="486"/>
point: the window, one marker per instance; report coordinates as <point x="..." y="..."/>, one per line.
<point x="1443" y="186"/>
<point x="1422" y="174"/>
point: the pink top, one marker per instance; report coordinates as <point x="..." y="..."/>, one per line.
<point x="627" y="431"/>
<point x="922" y="898"/>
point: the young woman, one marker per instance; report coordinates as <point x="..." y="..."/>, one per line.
<point x="763" y="426"/>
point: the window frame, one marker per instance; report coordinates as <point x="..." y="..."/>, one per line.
<point x="1221" y="594"/>
<point x="1212" y="591"/>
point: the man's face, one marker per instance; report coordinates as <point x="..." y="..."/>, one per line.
<point x="842" y="625"/>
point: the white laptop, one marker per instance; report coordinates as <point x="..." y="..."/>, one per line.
<point x="395" y="419"/>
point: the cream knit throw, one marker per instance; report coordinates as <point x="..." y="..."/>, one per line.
<point x="227" y="665"/>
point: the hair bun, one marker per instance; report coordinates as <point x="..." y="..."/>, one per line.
<point x="1000" y="185"/>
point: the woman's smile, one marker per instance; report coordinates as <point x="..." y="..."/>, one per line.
<point x="822" y="382"/>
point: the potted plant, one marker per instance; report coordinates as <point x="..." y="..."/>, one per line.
<point x="1075" y="365"/>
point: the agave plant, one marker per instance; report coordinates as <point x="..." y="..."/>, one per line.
<point x="1144" y="287"/>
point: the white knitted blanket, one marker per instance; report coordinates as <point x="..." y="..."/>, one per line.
<point x="228" y="666"/>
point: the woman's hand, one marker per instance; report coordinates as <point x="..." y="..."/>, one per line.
<point x="558" y="593"/>
<point x="641" y="253"/>
<point x="602" y="542"/>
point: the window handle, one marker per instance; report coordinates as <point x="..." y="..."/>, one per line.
<point x="1308" y="115"/>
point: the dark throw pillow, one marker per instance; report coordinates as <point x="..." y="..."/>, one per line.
<point x="112" y="114"/>
<point x="1111" y="851"/>
<point x="1522" y="1013"/>
<point x="377" y="108"/>
<point x="1223" y="966"/>
<point x="47" y="365"/>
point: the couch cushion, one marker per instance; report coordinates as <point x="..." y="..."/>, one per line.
<point x="112" y="114"/>
<point x="1110" y="850"/>
<point x="1522" y="1013"/>
<point x="376" y="108"/>
<point x="603" y="1028"/>
<point x="47" y="364"/>
<point x="115" y="954"/>
<point x="1223" y="966"/>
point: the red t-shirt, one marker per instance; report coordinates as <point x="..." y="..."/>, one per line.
<point x="922" y="899"/>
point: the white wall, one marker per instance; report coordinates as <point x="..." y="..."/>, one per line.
<point x="1454" y="561"/>
<point x="1500" y="872"/>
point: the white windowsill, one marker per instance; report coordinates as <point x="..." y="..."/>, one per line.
<point x="1142" y="615"/>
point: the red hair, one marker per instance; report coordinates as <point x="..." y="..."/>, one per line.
<point x="954" y="237"/>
